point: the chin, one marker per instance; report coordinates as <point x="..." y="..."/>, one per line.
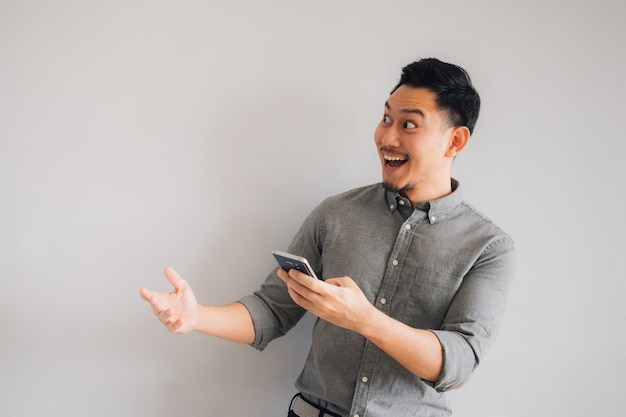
<point x="396" y="188"/>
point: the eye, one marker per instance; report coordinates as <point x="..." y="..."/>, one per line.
<point x="386" y="119"/>
<point x="409" y="125"/>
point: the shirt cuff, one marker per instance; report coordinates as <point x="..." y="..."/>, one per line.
<point x="459" y="360"/>
<point x="262" y="325"/>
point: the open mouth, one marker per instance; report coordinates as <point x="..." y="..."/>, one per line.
<point x="394" y="161"/>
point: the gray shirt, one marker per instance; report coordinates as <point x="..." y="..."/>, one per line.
<point x="441" y="266"/>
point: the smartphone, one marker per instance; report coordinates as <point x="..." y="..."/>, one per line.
<point x="288" y="261"/>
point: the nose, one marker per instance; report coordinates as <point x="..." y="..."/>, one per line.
<point x="389" y="137"/>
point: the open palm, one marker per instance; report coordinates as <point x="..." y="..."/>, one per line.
<point x="177" y="310"/>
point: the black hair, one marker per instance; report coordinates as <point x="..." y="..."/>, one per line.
<point x="455" y="93"/>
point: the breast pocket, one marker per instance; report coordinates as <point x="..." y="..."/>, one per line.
<point x="429" y="298"/>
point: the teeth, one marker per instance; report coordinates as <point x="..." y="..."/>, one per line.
<point x="393" y="158"/>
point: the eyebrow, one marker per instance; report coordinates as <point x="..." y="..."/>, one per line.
<point x="416" y="111"/>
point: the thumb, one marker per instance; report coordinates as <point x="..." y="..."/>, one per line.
<point x="172" y="276"/>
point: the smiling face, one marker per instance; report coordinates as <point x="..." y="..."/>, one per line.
<point x="416" y="145"/>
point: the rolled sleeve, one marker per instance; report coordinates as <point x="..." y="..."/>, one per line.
<point x="475" y="314"/>
<point x="458" y="361"/>
<point x="272" y="310"/>
<point x="264" y="326"/>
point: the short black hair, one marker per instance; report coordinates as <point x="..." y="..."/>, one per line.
<point x="455" y="93"/>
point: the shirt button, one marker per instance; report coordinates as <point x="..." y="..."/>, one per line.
<point x="433" y="219"/>
<point x="407" y="227"/>
<point x="383" y="301"/>
<point x="391" y="206"/>
<point x="401" y="202"/>
<point x="395" y="262"/>
<point x="364" y="379"/>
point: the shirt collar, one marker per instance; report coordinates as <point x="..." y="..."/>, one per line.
<point x="435" y="210"/>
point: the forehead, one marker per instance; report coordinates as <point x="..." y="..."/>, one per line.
<point x="407" y="98"/>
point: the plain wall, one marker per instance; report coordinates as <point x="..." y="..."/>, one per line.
<point x="199" y="134"/>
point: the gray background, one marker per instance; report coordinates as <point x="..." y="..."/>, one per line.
<point x="199" y="134"/>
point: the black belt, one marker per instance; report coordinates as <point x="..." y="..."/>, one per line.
<point x="301" y="407"/>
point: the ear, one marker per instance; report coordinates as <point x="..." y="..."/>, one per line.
<point x="460" y="135"/>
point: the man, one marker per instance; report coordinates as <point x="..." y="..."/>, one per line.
<point x="414" y="279"/>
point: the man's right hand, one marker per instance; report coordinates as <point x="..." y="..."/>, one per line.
<point x="177" y="310"/>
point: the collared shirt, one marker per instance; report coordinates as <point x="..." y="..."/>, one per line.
<point x="440" y="266"/>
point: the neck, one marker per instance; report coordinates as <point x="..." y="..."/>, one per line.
<point x="422" y="193"/>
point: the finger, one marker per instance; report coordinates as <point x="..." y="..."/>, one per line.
<point x="176" y="327"/>
<point x="339" y="282"/>
<point x="171" y="322"/>
<point x="282" y="274"/>
<point x="302" y="295"/>
<point x="172" y="276"/>
<point x="145" y="293"/>
<point x="165" y="316"/>
<point x="288" y="279"/>
<point x="293" y="281"/>
<point x="155" y="301"/>
<point x="306" y="281"/>
<point x="298" y="298"/>
<point x="149" y="296"/>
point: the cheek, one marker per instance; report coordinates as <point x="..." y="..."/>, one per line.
<point x="378" y="135"/>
